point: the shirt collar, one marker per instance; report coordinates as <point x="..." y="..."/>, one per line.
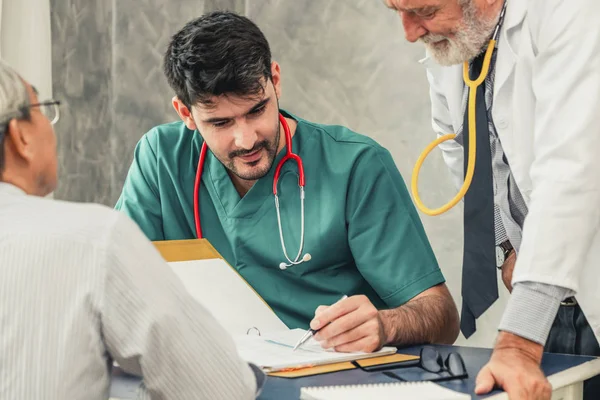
<point x="9" y="188"/>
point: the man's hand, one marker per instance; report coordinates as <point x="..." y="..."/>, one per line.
<point x="354" y="325"/>
<point x="507" y="269"/>
<point x="514" y="366"/>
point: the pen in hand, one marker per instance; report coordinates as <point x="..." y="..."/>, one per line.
<point x="311" y="332"/>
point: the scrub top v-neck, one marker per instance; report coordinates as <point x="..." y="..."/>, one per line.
<point x="361" y="227"/>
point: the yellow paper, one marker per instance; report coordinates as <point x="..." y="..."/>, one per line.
<point x="320" y="369"/>
<point x="343" y="366"/>
<point x="186" y="250"/>
<point x="394" y="358"/>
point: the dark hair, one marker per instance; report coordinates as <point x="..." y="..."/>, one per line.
<point x="218" y="53"/>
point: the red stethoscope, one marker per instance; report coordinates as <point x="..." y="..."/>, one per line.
<point x="288" y="156"/>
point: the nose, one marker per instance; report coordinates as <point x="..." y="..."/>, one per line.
<point x="244" y="136"/>
<point x="413" y="29"/>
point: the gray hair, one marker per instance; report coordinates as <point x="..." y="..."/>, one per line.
<point x="14" y="100"/>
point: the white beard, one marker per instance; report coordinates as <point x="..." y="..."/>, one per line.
<point x="468" y="41"/>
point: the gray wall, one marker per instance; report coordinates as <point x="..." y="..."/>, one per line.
<point x="107" y="71"/>
<point x="343" y="62"/>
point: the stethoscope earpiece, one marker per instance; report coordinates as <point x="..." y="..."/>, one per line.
<point x="283" y="266"/>
<point x="306" y="257"/>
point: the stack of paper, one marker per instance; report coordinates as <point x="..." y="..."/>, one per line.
<point x="221" y="290"/>
<point x="261" y="337"/>
<point x="274" y="351"/>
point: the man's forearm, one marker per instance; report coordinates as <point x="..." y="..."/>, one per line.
<point x="509" y="341"/>
<point x="428" y="319"/>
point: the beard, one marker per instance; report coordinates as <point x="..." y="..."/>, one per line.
<point x="256" y="173"/>
<point x="467" y="42"/>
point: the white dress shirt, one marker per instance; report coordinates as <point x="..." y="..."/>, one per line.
<point x="80" y="286"/>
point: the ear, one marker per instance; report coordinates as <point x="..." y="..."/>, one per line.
<point x="19" y="140"/>
<point x="276" y="78"/>
<point x="184" y="113"/>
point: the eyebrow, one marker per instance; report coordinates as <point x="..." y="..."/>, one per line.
<point x="423" y="10"/>
<point x="417" y="10"/>
<point x="252" y="109"/>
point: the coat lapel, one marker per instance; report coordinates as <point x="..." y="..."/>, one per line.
<point x="505" y="105"/>
<point x="508" y="44"/>
<point x="451" y="82"/>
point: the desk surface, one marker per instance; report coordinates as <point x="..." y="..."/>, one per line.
<point x="561" y="369"/>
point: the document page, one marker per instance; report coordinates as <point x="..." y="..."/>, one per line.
<point x="219" y="288"/>
<point x="274" y="351"/>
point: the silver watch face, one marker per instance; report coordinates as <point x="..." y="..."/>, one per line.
<point x="499" y="256"/>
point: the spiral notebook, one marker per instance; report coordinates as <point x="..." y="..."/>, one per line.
<point x="383" y="391"/>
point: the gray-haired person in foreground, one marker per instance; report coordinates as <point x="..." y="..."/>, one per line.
<point x="81" y="287"/>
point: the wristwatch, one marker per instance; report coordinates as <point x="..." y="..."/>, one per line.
<point x="502" y="252"/>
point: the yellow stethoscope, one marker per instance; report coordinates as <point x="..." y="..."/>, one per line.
<point x="473" y="85"/>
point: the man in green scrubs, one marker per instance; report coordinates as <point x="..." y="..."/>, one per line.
<point x="362" y="232"/>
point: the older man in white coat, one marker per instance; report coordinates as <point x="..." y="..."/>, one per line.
<point x="533" y="204"/>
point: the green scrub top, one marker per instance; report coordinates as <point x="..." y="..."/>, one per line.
<point x="361" y="227"/>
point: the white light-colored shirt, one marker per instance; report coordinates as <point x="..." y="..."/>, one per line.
<point x="80" y="286"/>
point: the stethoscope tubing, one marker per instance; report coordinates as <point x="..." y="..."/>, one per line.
<point x="473" y="85"/>
<point x="301" y="182"/>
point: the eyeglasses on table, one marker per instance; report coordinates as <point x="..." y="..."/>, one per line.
<point x="450" y="367"/>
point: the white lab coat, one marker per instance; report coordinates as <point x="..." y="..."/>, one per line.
<point x="546" y="109"/>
